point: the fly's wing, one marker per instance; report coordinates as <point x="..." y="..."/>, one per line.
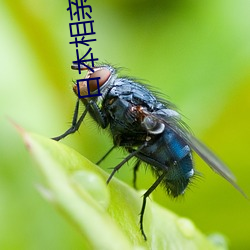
<point x="212" y="160"/>
<point x="175" y="124"/>
<point x="208" y="156"/>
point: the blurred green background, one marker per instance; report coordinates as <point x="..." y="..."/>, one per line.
<point x="195" y="52"/>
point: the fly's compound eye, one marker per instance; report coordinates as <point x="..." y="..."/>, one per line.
<point x="153" y="126"/>
<point x="90" y="84"/>
<point x="104" y="75"/>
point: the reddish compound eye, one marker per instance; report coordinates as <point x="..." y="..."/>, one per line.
<point x="104" y="75"/>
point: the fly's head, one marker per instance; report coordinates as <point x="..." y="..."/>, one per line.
<point x="89" y="86"/>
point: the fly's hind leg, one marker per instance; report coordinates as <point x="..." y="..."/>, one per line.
<point x="145" y="196"/>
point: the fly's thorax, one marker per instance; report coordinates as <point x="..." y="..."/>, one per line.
<point x="154" y="122"/>
<point x="152" y="125"/>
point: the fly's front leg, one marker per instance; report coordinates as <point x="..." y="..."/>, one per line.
<point x="75" y="124"/>
<point x="95" y="112"/>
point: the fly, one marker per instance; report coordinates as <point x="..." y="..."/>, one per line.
<point x="148" y="127"/>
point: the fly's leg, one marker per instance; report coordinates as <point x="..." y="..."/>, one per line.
<point x="136" y="167"/>
<point x="75" y="124"/>
<point x="91" y="107"/>
<point x="105" y="155"/>
<point x="145" y="196"/>
<point x="97" y="114"/>
<point x="124" y="161"/>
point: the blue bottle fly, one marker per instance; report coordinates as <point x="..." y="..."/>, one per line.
<point x="148" y="127"/>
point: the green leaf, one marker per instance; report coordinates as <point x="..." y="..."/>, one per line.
<point x="107" y="215"/>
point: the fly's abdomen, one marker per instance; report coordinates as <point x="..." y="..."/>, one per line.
<point x="168" y="154"/>
<point x="180" y="166"/>
<point x="178" y="176"/>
